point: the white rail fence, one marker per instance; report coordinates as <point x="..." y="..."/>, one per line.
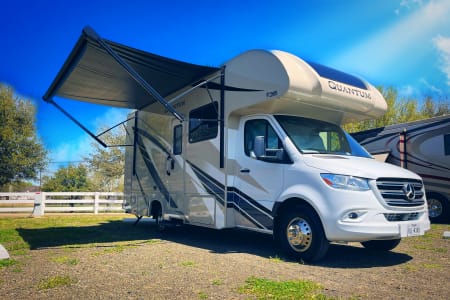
<point x="38" y="204"/>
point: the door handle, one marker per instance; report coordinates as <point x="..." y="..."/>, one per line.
<point x="245" y="170"/>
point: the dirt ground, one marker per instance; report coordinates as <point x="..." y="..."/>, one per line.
<point x="197" y="263"/>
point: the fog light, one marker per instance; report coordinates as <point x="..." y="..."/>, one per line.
<point x="354" y="216"/>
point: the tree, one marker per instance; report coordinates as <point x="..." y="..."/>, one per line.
<point x="68" y="179"/>
<point x="401" y="111"/>
<point x="22" y="154"/>
<point x="107" y="164"/>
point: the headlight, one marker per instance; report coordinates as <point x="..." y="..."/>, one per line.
<point x="346" y="182"/>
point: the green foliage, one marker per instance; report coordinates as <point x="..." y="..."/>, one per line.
<point x="401" y="111"/>
<point x="188" y="263"/>
<point x="22" y="154"/>
<point x="65" y="260"/>
<point x="7" y="262"/>
<point x="292" y="289"/>
<point x="54" y="282"/>
<point x="18" y="186"/>
<point x="107" y="165"/>
<point x="68" y="179"/>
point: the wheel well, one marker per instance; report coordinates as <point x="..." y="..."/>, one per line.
<point x="281" y="207"/>
<point x="155" y="208"/>
<point x="437" y="196"/>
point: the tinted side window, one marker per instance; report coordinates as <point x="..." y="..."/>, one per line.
<point x="447" y="144"/>
<point x="203" y="123"/>
<point x="177" y="139"/>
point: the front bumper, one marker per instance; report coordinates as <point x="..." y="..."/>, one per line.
<point x="373" y="225"/>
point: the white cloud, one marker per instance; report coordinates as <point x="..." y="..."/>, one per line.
<point x="442" y="44"/>
<point x="408" y="5"/>
<point x="408" y="37"/>
<point x="430" y="87"/>
<point x="407" y="91"/>
<point x="110" y="117"/>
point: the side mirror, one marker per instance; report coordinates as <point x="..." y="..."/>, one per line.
<point x="260" y="152"/>
<point x="259" y="146"/>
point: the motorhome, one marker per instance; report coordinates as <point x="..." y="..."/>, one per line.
<point x="422" y="147"/>
<point x="255" y="144"/>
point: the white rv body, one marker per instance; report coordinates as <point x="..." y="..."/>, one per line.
<point x="254" y="144"/>
<point x="422" y="147"/>
<point x="250" y="193"/>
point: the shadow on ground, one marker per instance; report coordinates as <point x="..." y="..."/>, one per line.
<point x="216" y="241"/>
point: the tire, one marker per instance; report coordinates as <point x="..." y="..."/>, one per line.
<point x="438" y="208"/>
<point x="301" y="235"/>
<point x="158" y="217"/>
<point x="381" y="245"/>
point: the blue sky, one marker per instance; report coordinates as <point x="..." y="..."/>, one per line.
<point x="399" y="43"/>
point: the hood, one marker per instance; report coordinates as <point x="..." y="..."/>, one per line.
<point x="356" y="166"/>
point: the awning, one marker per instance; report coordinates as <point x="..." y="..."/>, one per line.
<point x="103" y="72"/>
<point x="94" y="75"/>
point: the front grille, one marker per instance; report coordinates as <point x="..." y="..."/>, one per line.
<point x="402" y="217"/>
<point x="401" y="192"/>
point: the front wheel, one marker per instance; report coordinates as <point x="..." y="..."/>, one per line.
<point x="381" y="245"/>
<point x="301" y="234"/>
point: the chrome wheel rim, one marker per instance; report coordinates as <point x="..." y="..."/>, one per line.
<point x="299" y="234"/>
<point x="434" y="208"/>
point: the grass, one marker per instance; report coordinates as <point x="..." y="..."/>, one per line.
<point x="7" y="262"/>
<point x="54" y="282"/>
<point x="292" y="289"/>
<point x="217" y="282"/>
<point x="65" y="260"/>
<point x="19" y="235"/>
<point x="276" y="259"/>
<point x="202" y="295"/>
<point x="188" y="263"/>
<point x="426" y="241"/>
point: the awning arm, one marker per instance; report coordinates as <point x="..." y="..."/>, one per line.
<point x="135" y="75"/>
<point x="50" y="100"/>
<point x="93" y="135"/>
<point x="193" y="88"/>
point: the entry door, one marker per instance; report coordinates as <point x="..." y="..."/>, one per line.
<point x="174" y="169"/>
<point x="259" y="181"/>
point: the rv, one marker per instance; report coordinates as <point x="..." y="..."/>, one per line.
<point x="422" y="147"/>
<point x="254" y="144"/>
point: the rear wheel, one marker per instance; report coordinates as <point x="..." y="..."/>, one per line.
<point x="438" y="208"/>
<point x="301" y="234"/>
<point x="381" y="245"/>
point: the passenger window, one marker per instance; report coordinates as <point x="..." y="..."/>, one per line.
<point x="261" y="128"/>
<point x="334" y="142"/>
<point x="447" y="144"/>
<point x="203" y="123"/>
<point x="177" y="140"/>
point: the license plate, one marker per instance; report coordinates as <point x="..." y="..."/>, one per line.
<point x="413" y="230"/>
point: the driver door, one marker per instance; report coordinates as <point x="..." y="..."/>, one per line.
<point x="260" y="176"/>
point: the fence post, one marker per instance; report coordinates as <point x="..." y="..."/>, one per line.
<point x="96" y="198"/>
<point x="39" y="205"/>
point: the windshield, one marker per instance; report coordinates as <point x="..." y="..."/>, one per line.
<point x="314" y="136"/>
